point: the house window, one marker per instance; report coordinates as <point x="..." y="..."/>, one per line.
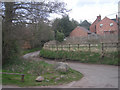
<point x="112" y="32"/>
<point x="106" y="32"/>
<point x="101" y="25"/>
<point x="111" y="24"/>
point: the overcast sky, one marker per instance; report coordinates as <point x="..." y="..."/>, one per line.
<point x="89" y="9"/>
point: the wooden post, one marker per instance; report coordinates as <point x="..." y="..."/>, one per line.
<point x="102" y="47"/>
<point x="49" y="46"/>
<point x="89" y="46"/>
<point x="52" y="47"/>
<point x="69" y="47"/>
<point x="61" y="47"/>
<point x="117" y="46"/>
<point x="102" y="56"/>
<point x="22" y="77"/>
<point x="57" y="47"/>
<point x="78" y="47"/>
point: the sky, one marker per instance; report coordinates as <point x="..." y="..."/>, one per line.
<point x="87" y="9"/>
<point x="90" y="9"/>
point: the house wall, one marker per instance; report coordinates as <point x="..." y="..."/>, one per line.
<point x="93" y="25"/>
<point x="78" y="32"/>
<point x="106" y="28"/>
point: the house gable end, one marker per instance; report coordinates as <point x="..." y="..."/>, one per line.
<point x="106" y="26"/>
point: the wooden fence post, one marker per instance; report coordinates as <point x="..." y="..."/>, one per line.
<point x="102" y="56"/>
<point x="69" y="47"/>
<point x="61" y="47"/>
<point x="57" y="47"/>
<point x="117" y="46"/>
<point x="49" y="46"/>
<point x="52" y="47"/>
<point x="89" y="46"/>
<point x="102" y="47"/>
<point x="78" y="47"/>
<point x="22" y="77"/>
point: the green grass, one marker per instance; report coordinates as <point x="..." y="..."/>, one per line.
<point x="31" y="50"/>
<point x="33" y="69"/>
<point x="0" y="78"/>
<point x="110" y="58"/>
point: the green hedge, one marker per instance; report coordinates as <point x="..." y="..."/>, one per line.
<point x="81" y="56"/>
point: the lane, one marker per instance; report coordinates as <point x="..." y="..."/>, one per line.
<point x="96" y="76"/>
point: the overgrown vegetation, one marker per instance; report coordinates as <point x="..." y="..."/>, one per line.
<point x="33" y="69"/>
<point x="110" y="58"/>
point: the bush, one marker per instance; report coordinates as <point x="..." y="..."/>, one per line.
<point x="59" y="36"/>
<point x="10" y="50"/>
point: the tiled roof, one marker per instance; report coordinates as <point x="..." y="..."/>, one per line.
<point x="82" y="28"/>
<point x="114" y="20"/>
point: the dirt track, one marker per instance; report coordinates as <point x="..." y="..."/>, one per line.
<point x="95" y="76"/>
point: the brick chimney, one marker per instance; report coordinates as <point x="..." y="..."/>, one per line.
<point x="93" y="25"/>
<point x="99" y="18"/>
<point x="116" y="18"/>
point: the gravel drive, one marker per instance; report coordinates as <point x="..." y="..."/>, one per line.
<point x="95" y="76"/>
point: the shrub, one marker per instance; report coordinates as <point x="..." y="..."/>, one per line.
<point x="59" y="36"/>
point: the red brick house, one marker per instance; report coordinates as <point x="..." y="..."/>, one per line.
<point x="79" y="32"/>
<point x="105" y="26"/>
<point x="93" y="25"/>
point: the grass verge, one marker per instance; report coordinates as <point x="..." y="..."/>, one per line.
<point x="82" y="56"/>
<point x="33" y="69"/>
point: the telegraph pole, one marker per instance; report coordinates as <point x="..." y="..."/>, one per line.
<point x="118" y="39"/>
<point x="118" y="29"/>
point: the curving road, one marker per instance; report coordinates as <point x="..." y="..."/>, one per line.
<point x="95" y="76"/>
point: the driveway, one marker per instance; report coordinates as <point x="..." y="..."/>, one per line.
<point x="95" y="76"/>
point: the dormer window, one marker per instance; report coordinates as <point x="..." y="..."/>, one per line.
<point x="101" y="25"/>
<point x="111" y="24"/>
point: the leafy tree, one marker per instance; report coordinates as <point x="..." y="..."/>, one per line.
<point x="59" y="36"/>
<point x="64" y="24"/>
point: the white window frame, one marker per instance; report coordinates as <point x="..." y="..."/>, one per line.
<point x="101" y="25"/>
<point x="111" y="24"/>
